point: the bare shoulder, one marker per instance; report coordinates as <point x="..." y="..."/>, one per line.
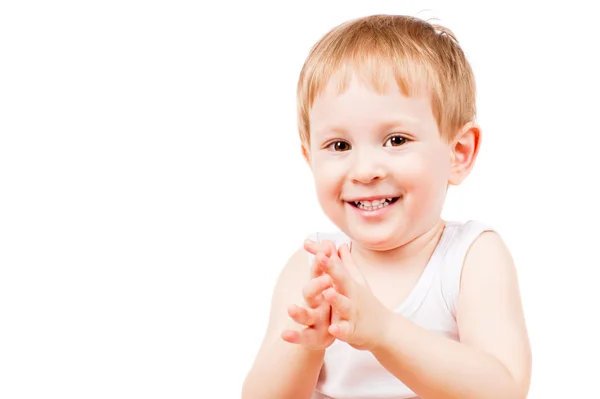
<point x="488" y="253"/>
<point x="294" y="274"/>
<point x="288" y="291"/>
<point x="489" y="312"/>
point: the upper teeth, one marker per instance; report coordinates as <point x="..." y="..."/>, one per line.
<point x="374" y="202"/>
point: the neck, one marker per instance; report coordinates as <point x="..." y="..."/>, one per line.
<point x="422" y="246"/>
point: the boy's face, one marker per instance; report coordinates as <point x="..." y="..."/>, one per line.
<point x="367" y="145"/>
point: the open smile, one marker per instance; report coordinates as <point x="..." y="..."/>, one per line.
<point x="373" y="205"/>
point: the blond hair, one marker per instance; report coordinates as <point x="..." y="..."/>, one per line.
<point x="421" y="56"/>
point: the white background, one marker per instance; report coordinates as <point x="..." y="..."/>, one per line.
<point x="152" y="185"/>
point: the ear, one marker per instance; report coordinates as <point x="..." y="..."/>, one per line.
<point x="465" y="149"/>
<point x="306" y="153"/>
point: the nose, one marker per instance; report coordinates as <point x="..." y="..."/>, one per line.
<point x="367" y="167"/>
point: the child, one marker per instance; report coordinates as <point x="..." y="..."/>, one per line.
<point x="399" y="303"/>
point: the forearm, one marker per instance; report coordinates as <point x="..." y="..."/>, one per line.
<point x="434" y="366"/>
<point x="283" y="371"/>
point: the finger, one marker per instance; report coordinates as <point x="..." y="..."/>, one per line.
<point x="307" y="336"/>
<point x="313" y="247"/>
<point x="316" y="270"/>
<point x="329" y="247"/>
<point x="323" y="251"/>
<point x="320" y="261"/>
<point x="342" y="330"/>
<point x="313" y="290"/>
<point x="303" y="316"/>
<point x="293" y="337"/>
<point x="348" y="261"/>
<point x="342" y="281"/>
<point x="325" y="246"/>
<point x="341" y="304"/>
<point x="311" y="316"/>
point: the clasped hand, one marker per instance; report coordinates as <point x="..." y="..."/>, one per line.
<point x="339" y="303"/>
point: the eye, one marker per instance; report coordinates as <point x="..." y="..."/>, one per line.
<point x="396" y="141"/>
<point x="339" y="146"/>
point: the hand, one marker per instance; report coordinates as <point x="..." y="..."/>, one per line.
<point x="362" y="319"/>
<point x="316" y="316"/>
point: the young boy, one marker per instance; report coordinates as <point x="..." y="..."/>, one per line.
<point x="399" y="303"/>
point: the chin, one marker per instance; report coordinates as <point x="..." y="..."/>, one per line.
<point x="376" y="237"/>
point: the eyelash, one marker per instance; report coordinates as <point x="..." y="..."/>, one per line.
<point x="404" y="141"/>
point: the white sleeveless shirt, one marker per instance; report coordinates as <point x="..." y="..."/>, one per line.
<point x="348" y="373"/>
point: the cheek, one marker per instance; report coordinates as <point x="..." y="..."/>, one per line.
<point x="425" y="174"/>
<point x="328" y="178"/>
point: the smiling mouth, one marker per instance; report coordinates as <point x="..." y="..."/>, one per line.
<point x="373" y="205"/>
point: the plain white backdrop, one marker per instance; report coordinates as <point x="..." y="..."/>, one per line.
<point x="152" y="185"/>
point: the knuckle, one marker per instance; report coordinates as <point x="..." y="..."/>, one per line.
<point x="306" y="291"/>
<point x="326" y="246"/>
<point x="323" y="281"/>
<point x="331" y="246"/>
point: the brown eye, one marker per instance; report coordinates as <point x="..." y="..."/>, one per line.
<point x="340" y="146"/>
<point x="396" y="141"/>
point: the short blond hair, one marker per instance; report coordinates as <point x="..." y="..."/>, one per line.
<point x="421" y="56"/>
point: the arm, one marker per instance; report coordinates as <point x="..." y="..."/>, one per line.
<point x="493" y="359"/>
<point x="281" y="369"/>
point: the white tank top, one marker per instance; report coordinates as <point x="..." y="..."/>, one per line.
<point x="348" y="373"/>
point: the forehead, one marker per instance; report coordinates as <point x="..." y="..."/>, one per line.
<point x="354" y="101"/>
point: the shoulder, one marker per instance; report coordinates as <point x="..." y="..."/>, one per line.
<point x="487" y="258"/>
<point x="294" y="272"/>
<point x="478" y="252"/>
<point x="457" y="241"/>
<point x="468" y="231"/>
